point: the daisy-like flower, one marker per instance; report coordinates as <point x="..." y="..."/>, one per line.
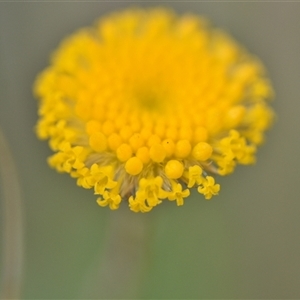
<point x="146" y="105"/>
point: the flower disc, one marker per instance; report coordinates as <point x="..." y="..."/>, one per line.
<point x="145" y="104"/>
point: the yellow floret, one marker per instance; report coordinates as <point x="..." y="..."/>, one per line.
<point x="209" y="188"/>
<point x="178" y="194"/>
<point x="194" y="175"/>
<point x="111" y="199"/>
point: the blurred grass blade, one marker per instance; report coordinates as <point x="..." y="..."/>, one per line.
<point x="12" y="226"/>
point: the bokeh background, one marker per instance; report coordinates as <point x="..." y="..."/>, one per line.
<point x="243" y="244"/>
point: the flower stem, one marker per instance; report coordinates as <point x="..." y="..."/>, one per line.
<point x="12" y="252"/>
<point x="118" y="274"/>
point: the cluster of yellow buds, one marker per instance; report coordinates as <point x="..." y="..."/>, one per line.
<point x="146" y="105"/>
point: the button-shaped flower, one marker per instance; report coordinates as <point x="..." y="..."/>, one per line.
<point x="147" y="102"/>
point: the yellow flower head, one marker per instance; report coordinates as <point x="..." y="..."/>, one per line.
<point x="145" y="105"/>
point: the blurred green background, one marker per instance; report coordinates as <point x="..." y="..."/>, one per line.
<point x="243" y="244"/>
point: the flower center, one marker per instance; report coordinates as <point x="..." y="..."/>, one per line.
<point x="150" y="101"/>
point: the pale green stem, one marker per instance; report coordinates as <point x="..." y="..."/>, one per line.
<point x="118" y="273"/>
<point x="12" y="233"/>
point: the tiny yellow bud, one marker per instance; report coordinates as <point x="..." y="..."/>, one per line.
<point x="235" y="115"/>
<point x="98" y="142"/>
<point x="135" y="126"/>
<point x="159" y="129"/>
<point x="183" y="148"/>
<point x="92" y="126"/>
<point x="133" y="166"/>
<point x="157" y="153"/>
<point x="136" y="141"/>
<point x="143" y="154"/>
<point x="185" y="133"/>
<point x="153" y="139"/>
<point x="114" y="141"/>
<point x="174" y="169"/>
<point x="126" y="133"/>
<point x="124" y="152"/>
<point x="146" y="132"/>
<point x="200" y="134"/>
<point x="202" y="151"/>
<point x="171" y="133"/>
<point x="108" y="127"/>
<point x="169" y="147"/>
